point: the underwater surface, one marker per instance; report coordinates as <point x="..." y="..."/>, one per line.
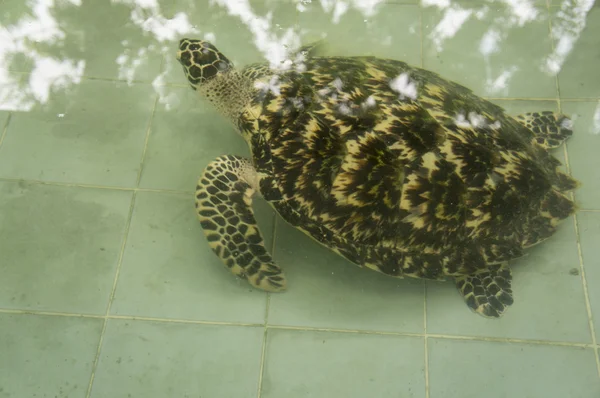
<point x="108" y="286"/>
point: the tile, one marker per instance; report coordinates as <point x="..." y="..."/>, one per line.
<point x="495" y="50"/>
<point x="92" y="134"/>
<point x="499" y="370"/>
<point x="186" y="134"/>
<point x="148" y="359"/>
<point x="578" y="76"/>
<point x="589" y="233"/>
<point x="383" y="30"/>
<point x="583" y="151"/>
<point x="327" y="291"/>
<point x="126" y="45"/>
<point x="244" y="32"/>
<point x="549" y="300"/>
<point x="318" y="364"/>
<point x="47" y="356"/>
<point x="169" y="271"/>
<point x="60" y="246"/>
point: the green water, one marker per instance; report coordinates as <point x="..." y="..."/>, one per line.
<point x="109" y="289"/>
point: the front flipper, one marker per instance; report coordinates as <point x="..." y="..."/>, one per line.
<point x="489" y="291"/>
<point x="224" y="207"/>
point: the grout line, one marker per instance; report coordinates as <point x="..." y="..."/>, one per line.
<point x="267" y="308"/>
<point x="78" y="185"/>
<point x="519" y="98"/>
<point x="112" y="294"/>
<point x="512" y="340"/>
<point x="589" y="210"/>
<point x="264" y="348"/>
<point x="425" y="340"/>
<point x="346" y="331"/>
<point x="116" y="80"/>
<point x="123" y="246"/>
<point x="185" y="321"/>
<point x="305" y="329"/>
<point x="439" y="336"/>
<point x="591" y="99"/>
<point x="5" y="128"/>
<point x="146" y="140"/>
<point x="586" y="292"/>
<point x="538" y="99"/>
<point x="130" y="318"/>
<point x="421" y="34"/>
<point x="49" y="313"/>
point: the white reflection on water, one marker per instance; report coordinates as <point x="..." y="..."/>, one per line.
<point x="450" y="24"/>
<point x="522" y="11"/>
<point x="440" y="3"/>
<point x="48" y="73"/>
<point x="367" y="8"/>
<point x="37" y="29"/>
<point x="274" y="48"/>
<point x="147" y="15"/>
<point x="499" y="83"/>
<point x="567" y="26"/>
<point x="405" y="86"/>
<point x="517" y="13"/>
<point x="338" y="8"/>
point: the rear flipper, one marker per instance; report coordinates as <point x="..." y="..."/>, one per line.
<point x="489" y="291"/>
<point x="550" y="129"/>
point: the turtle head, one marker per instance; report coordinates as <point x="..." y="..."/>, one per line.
<point x="201" y="61"/>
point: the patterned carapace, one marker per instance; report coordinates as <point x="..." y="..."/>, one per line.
<point x="392" y="166"/>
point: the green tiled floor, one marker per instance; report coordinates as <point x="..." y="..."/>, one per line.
<point x="157" y="359"/>
<point x="47" y="356"/>
<point x="168" y="270"/>
<point x="92" y="134"/>
<point x="109" y="289"/>
<point x="328" y="364"/>
<point x="509" y="370"/>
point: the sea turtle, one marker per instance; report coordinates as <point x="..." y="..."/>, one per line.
<point x="389" y="165"/>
